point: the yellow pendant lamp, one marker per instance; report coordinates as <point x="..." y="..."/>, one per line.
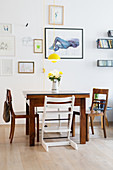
<point x="54" y="57"/>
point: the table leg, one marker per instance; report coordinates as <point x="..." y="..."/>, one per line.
<point x="32" y="125"/>
<point x="83" y="121"/>
<point x="87" y="127"/>
<point x="37" y="127"/>
<point x="27" y="119"/>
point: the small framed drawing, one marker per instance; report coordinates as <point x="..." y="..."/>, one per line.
<point x="7" y="67"/>
<point x="67" y="42"/>
<point x="27" y="41"/>
<point x="7" y="46"/>
<point x="5" y="28"/>
<point x="38" y="46"/>
<point x="56" y="15"/>
<point x="26" y="67"/>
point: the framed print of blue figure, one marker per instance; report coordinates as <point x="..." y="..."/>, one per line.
<point x="66" y="42"/>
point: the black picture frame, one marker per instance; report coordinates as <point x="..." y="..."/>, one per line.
<point x="72" y="39"/>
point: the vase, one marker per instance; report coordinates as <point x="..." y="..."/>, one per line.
<point x="55" y="85"/>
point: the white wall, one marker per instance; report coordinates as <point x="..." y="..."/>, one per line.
<point x="95" y="17"/>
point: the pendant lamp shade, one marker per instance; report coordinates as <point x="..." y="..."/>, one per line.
<point x="54" y="58"/>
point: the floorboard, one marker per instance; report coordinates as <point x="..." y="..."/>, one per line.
<point x="97" y="154"/>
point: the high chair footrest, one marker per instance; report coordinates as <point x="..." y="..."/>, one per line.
<point x="63" y="143"/>
<point x="56" y="129"/>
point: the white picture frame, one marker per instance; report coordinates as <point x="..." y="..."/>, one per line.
<point x="56" y="15"/>
<point x="27" y="41"/>
<point x="5" y="28"/>
<point x="7" y="46"/>
<point x="6" y="67"/>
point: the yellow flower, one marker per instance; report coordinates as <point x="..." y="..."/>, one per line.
<point x="43" y="70"/>
<point x="60" y="73"/>
<point x="49" y="74"/>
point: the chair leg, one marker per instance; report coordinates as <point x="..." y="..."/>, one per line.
<point x="13" y="129"/>
<point x="87" y="127"/>
<point x="104" y="127"/>
<point x="37" y="127"/>
<point x="102" y="122"/>
<point x="91" y="120"/>
<point x="106" y="121"/>
<point x="73" y="126"/>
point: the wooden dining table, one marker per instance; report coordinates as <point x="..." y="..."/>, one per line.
<point x="36" y="99"/>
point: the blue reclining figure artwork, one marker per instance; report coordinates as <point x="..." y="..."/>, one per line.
<point x="60" y="43"/>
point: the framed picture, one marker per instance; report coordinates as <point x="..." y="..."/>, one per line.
<point x="25" y="67"/>
<point x="7" y="46"/>
<point x="38" y="45"/>
<point x="6" y="67"/>
<point x="5" y="28"/>
<point x="27" y="41"/>
<point x="66" y="42"/>
<point x="56" y="15"/>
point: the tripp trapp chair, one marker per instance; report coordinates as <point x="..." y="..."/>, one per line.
<point x="58" y="106"/>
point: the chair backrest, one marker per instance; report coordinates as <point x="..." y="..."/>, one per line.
<point x="9" y="99"/>
<point x="100" y="103"/>
<point x="66" y="103"/>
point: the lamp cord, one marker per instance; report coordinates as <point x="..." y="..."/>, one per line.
<point x="54" y="26"/>
<point x="44" y="37"/>
<point x="43" y="45"/>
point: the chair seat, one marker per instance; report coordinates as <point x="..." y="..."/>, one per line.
<point x="95" y="114"/>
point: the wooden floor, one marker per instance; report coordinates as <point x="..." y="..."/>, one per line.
<point x="97" y="154"/>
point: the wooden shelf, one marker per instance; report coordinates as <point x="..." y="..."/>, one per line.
<point x="105" y="63"/>
<point x="105" y="43"/>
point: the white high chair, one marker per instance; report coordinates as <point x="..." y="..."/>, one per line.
<point x="63" y="106"/>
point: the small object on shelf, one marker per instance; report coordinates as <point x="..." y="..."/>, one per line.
<point x="105" y="43"/>
<point x="110" y="33"/>
<point x="105" y="63"/>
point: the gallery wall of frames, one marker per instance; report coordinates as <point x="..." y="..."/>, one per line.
<point x="25" y="47"/>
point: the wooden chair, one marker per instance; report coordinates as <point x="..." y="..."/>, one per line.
<point x="99" y="103"/>
<point x="59" y="106"/>
<point x="16" y="115"/>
